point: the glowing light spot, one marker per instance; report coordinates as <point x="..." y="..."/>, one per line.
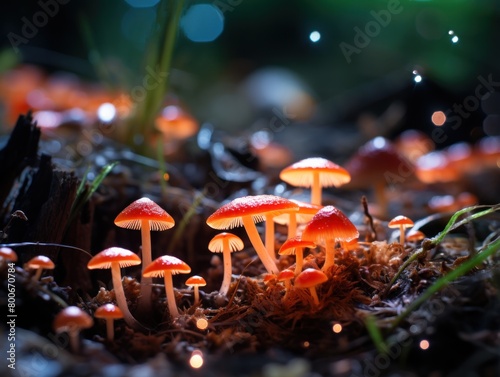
<point x="454" y="39"/>
<point x="106" y="112"/>
<point x="166" y="177"/>
<point x="379" y="142"/>
<point x="424" y="344"/>
<point x="417" y="78"/>
<point x="202" y="323"/>
<point x="306" y="344"/>
<point x="315" y="36"/>
<point x="203" y="23"/>
<point x="451" y="32"/>
<point x="438" y="118"/>
<point x="337" y="328"/>
<point x="196" y="360"/>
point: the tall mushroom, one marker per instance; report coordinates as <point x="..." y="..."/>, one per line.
<point x="329" y="225"/>
<point x="315" y="172"/>
<point x="146" y="215"/>
<point x="114" y="258"/>
<point x="166" y="266"/>
<point x="196" y="282"/>
<point x="247" y="211"/>
<point x="296" y="245"/>
<point x="226" y="243"/>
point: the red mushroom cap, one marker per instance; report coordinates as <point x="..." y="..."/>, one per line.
<point x="165" y="263"/>
<point x="310" y="278"/>
<point x="8" y="254"/>
<point x="108" y="311"/>
<point x="144" y="209"/>
<point x="196" y="280"/>
<point x="286" y="275"/>
<point x="40" y="261"/>
<point x="300" y="173"/>
<point x="256" y="206"/>
<point x="72" y="318"/>
<point x="330" y="223"/>
<point x="122" y="256"/>
<point x="400" y="221"/>
<point x="289" y="246"/>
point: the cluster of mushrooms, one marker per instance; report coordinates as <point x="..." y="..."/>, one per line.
<point x="322" y="227"/>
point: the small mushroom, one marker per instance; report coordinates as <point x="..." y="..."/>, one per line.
<point x="302" y="216"/>
<point x="329" y="225"/>
<point x="7" y="254"/>
<point x="316" y="173"/>
<point x="39" y="263"/>
<point x="72" y="320"/>
<point x="286" y="277"/>
<point x="226" y="243"/>
<point x="196" y="281"/>
<point x="296" y="246"/>
<point x="166" y="266"/>
<point x="310" y="278"/>
<point x="114" y="258"/>
<point x="110" y="313"/>
<point x="401" y="222"/>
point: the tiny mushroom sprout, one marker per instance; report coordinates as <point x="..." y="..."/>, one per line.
<point x="296" y="245"/>
<point x="330" y="225"/>
<point x="247" y="211"/>
<point x="114" y="258"/>
<point x="286" y="276"/>
<point x="310" y="278"/>
<point x="196" y="281"/>
<point x="415" y="235"/>
<point x="109" y="313"/>
<point x="401" y="222"/>
<point x="315" y="172"/>
<point x="166" y="266"/>
<point x="146" y="215"/>
<point x="226" y="243"/>
<point x="7" y="254"/>
<point x="72" y="320"/>
<point x="303" y="215"/>
<point x="39" y="263"/>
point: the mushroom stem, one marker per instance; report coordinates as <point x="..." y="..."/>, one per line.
<point x="380" y="197"/>
<point x="169" y="291"/>
<point x="402" y="235"/>
<point x="316" y="190"/>
<point x="270" y="237"/>
<point x="74" y="340"/>
<point x="299" y="259"/>
<point x="329" y="254"/>
<point x="292" y="225"/>
<point x="144" y="304"/>
<point x="226" y="256"/>
<point x="259" y="247"/>
<point x="314" y="295"/>
<point x="110" y="329"/>
<point x="38" y="274"/>
<point x="196" y="295"/>
<point x="121" y="301"/>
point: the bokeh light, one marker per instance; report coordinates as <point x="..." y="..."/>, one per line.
<point x="203" y="23"/>
<point x="315" y="36"/>
<point x="424" y="344"/>
<point x="438" y="118"/>
<point x="196" y="360"/>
